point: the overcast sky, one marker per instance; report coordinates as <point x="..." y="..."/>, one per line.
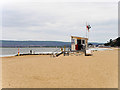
<point x="51" y="21"/>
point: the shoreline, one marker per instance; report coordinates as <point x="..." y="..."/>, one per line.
<point x="93" y="49"/>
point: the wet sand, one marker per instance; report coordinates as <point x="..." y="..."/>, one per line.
<point x="97" y="71"/>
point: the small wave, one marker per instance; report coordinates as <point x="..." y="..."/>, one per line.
<point x="100" y="49"/>
<point x="6" y="55"/>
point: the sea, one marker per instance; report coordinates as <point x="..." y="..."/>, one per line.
<point x="4" y="52"/>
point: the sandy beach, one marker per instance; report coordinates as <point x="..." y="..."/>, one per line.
<point x="75" y="71"/>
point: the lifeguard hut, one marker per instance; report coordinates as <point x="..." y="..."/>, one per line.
<point x="78" y="43"/>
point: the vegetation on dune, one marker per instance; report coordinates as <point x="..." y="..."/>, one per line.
<point x="113" y="43"/>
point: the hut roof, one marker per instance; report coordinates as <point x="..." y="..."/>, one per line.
<point x="79" y="37"/>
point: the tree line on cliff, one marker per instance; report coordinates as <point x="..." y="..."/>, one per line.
<point x="113" y="43"/>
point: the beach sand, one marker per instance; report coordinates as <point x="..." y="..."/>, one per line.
<point x="97" y="71"/>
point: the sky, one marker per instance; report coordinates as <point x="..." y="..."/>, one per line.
<point x="57" y="21"/>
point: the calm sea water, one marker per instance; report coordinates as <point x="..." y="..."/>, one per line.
<point x="14" y="51"/>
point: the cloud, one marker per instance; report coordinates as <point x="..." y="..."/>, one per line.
<point x="58" y="21"/>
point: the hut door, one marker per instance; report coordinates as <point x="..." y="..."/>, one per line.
<point x="79" y="44"/>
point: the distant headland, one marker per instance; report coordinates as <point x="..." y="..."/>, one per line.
<point x="11" y="43"/>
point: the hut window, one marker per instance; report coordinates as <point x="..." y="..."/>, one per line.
<point x="83" y="41"/>
<point x="73" y="41"/>
<point x="78" y="41"/>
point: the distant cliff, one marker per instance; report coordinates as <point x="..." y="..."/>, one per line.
<point x="113" y="43"/>
<point x="9" y="43"/>
<point x="6" y="43"/>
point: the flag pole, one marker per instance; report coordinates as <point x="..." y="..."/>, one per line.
<point x="89" y="33"/>
<point x="86" y="29"/>
<point x="86" y="34"/>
